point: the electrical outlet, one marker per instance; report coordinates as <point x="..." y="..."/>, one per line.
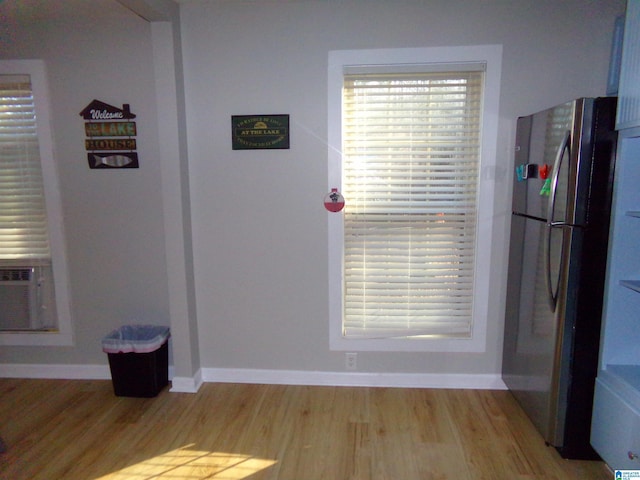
<point x="351" y="361"/>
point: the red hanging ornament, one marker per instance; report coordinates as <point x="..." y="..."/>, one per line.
<point x="334" y="201"/>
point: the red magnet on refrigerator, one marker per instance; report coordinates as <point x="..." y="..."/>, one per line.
<point x="544" y="171"/>
<point x="334" y="201"/>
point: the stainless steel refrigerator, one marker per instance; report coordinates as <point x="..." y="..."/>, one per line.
<point x="563" y="181"/>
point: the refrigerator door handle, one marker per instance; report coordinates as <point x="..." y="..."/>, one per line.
<point x="552" y="296"/>
<point x="564" y="146"/>
<point x="564" y="224"/>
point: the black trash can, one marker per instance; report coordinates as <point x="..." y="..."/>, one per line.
<point x="138" y="359"/>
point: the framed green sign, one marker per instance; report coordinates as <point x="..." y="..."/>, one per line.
<point x="256" y="132"/>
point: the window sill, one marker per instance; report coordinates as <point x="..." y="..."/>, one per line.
<point x="476" y="344"/>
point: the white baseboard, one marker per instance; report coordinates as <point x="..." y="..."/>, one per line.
<point x="355" y="379"/>
<point x="276" y="377"/>
<point x="60" y="372"/>
<point x="187" y="384"/>
<point x="67" y="372"/>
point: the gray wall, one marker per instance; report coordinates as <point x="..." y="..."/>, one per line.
<point x="259" y="227"/>
<point x="260" y="230"/>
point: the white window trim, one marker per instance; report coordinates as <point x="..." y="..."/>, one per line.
<point x="64" y="335"/>
<point x="491" y="56"/>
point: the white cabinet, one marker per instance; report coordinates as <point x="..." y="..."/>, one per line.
<point x="629" y="89"/>
<point x="616" y="434"/>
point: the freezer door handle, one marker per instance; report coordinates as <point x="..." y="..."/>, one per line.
<point x="552" y="291"/>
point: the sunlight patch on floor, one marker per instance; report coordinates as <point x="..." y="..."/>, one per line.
<point x="190" y="464"/>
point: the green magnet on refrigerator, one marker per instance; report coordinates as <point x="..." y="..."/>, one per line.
<point x="546" y="188"/>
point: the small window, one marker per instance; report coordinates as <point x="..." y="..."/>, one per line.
<point x="411" y="152"/>
<point x="32" y="266"/>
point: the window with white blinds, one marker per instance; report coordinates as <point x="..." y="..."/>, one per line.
<point x="412" y="148"/>
<point x="31" y="221"/>
<point x="23" y="218"/>
<point x="411" y="155"/>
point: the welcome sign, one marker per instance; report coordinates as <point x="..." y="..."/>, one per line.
<point x="111" y="133"/>
<point x="252" y="132"/>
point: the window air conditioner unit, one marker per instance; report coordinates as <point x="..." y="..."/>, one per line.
<point x="19" y="298"/>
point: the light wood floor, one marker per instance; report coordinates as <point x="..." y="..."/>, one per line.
<point x="78" y="430"/>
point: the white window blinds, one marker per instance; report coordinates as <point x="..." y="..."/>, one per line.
<point x="23" y="221"/>
<point x="411" y="155"/>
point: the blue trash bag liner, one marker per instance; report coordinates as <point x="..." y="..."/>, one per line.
<point x="135" y="338"/>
